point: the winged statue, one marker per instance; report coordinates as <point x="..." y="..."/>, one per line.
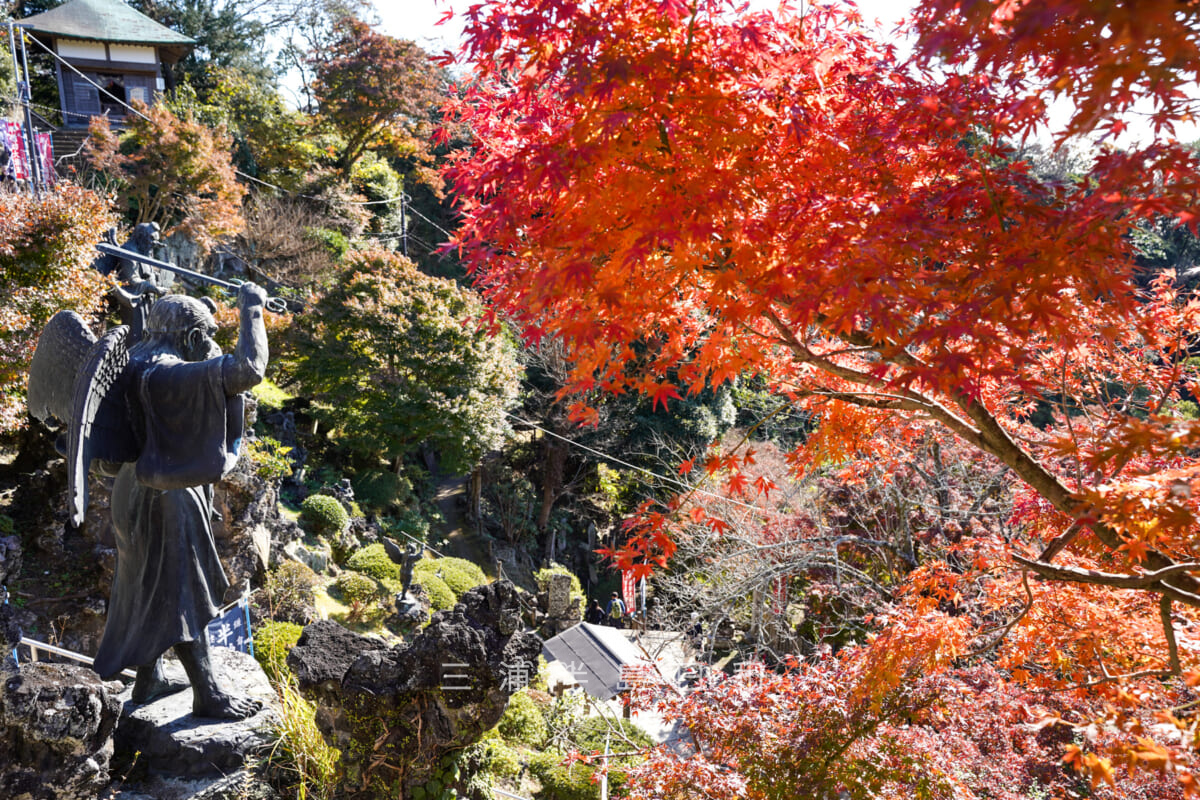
<point x="77" y="386"/>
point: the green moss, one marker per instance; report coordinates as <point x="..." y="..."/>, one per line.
<point x="272" y="643"/>
<point x="373" y="560"/>
<point x="523" y="721"/>
<point x="269" y="396"/>
<point x="323" y="515"/>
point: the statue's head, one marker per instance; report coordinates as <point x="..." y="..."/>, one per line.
<point x="184" y="325"/>
<point x="145" y="235"/>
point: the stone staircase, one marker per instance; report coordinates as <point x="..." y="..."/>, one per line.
<point x="68" y="150"/>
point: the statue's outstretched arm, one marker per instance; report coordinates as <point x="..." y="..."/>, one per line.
<point x="249" y="362"/>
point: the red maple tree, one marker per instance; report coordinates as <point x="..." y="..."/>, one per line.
<point x="689" y="189"/>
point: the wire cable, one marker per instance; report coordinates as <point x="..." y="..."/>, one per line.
<point x="615" y="460"/>
<point x="400" y="198"/>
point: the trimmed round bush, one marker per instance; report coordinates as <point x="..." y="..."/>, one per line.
<point x="460" y="574"/>
<point x="523" y="721"/>
<point x="373" y="560"/>
<point x="272" y="643"/>
<point x="357" y="588"/>
<point x="323" y="515"/>
<point x="441" y="596"/>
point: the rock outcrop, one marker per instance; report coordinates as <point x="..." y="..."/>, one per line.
<point x="395" y="711"/>
<point x="169" y="740"/>
<point x="56" y="725"/>
<point x="249" y="525"/>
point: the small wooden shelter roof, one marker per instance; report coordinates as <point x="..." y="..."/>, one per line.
<point x="107" y="21"/>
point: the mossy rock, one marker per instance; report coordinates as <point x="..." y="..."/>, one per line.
<point x="542" y="578"/>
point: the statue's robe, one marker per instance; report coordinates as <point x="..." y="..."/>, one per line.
<point x="169" y="582"/>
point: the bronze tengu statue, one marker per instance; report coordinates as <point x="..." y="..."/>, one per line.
<point x="164" y="418"/>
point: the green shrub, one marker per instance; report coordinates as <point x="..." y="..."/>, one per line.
<point x="592" y="732"/>
<point x="334" y="242"/>
<point x="270" y="458"/>
<point x="460" y="574"/>
<point x="571" y="782"/>
<point x="272" y="643"/>
<point x="7" y="527"/>
<point x="522" y="721"/>
<point x="410" y="522"/>
<point x="502" y="760"/>
<point x="322" y="515"/>
<point x="373" y="560"/>
<point x="441" y="596"/>
<point x="359" y="592"/>
<point x="291" y="591"/>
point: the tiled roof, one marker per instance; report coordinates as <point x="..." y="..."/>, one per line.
<point x="106" y="21"/>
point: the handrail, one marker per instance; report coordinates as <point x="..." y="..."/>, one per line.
<point x="34" y="646"/>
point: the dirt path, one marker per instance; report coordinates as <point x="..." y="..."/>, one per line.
<point x="463" y="540"/>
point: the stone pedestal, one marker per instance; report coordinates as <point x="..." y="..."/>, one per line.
<point x="171" y="741"/>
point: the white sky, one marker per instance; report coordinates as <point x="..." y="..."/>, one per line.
<point x="416" y="20"/>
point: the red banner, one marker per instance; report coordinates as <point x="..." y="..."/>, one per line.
<point x="628" y="589"/>
<point x="14" y="141"/>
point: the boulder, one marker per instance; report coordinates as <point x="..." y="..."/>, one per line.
<point x="56" y="726"/>
<point x="10" y="558"/>
<point x="394" y="712"/>
<point x="169" y="740"/>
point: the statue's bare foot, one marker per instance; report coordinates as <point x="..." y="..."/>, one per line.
<point x="225" y="706"/>
<point x="151" y="683"/>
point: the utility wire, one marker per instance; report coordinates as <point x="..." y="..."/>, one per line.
<point x="448" y="234"/>
<point x="615" y="460"/>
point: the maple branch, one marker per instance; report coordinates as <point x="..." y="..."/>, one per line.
<point x="1006" y="629"/>
<point x="1146" y="673"/>
<point x="1094" y="576"/>
<point x="1060" y="542"/>
<point x="988" y="435"/>
<point x="924" y="404"/>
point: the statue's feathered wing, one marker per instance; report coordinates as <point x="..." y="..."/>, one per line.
<point x="78" y="380"/>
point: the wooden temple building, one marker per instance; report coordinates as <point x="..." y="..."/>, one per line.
<point x="113" y="55"/>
